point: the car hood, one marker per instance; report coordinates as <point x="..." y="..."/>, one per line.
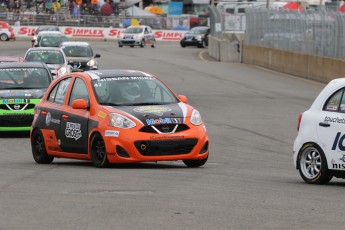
<point x="21" y="93"/>
<point x="157" y="114"/>
<point x="54" y="66"/>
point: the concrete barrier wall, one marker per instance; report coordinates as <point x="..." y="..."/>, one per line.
<point x="322" y="69"/>
<point x="317" y="68"/>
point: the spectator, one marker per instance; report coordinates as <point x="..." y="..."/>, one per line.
<point x="56" y="6"/>
<point x="106" y="9"/>
<point x="76" y="10"/>
<point x="85" y="9"/>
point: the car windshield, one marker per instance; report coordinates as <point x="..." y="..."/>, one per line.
<point x="133" y="30"/>
<point x="198" y="31"/>
<point x="52" y="41"/>
<point x="46" y="56"/>
<point x="77" y="51"/>
<point x="24" y="78"/>
<point x="120" y="91"/>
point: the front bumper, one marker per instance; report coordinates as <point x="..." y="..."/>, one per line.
<point x="192" y="42"/>
<point x="192" y="144"/>
<point x="130" y="42"/>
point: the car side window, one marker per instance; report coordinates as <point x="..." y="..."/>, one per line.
<point x="335" y="102"/>
<point x="79" y="91"/>
<point x="58" y="93"/>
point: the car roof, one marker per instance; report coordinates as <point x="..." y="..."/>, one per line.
<point x="22" y="65"/>
<point x="97" y="74"/>
<point x="49" y="32"/>
<point x="45" y="49"/>
<point x="75" y="43"/>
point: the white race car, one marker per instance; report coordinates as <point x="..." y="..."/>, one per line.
<point x="319" y="148"/>
<point x="137" y="36"/>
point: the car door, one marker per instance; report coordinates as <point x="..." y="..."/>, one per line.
<point x="74" y="122"/>
<point x="330" y="126"/>
<point x="50" y="116"/>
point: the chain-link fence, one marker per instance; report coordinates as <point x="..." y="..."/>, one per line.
<point x="311" y="32"/>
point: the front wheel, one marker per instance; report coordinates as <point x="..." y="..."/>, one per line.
<point x="38" y="147"/>
<point x="142" y="43"/>
<point x="98" y="152"/>
<point x="4" y="37"/>
<point x="120" y="45"/>
<point x="313" y="165"/>
<point x="195" y="163"/>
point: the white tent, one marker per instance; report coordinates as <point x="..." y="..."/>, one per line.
<point x="135" y="11"/>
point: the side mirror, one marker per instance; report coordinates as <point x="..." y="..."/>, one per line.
<point x="97" y="56"/>
<point x="183" y="99"/>
<point x="79" y="104"/>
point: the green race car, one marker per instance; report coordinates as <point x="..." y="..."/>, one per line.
<point x="22" y="85"/>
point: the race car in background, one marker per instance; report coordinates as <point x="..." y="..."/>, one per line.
<point x="117" y="116"/>
<point x="6" y="32"/>
<point x="22" y="85"/>
<point x="80" y="55"/>
<point x="137" y="36"/>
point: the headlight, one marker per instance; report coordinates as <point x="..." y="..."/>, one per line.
<point x="198" y="37"/>
<point x="35" y="37"/>
<point x="195" y="119"/>
<point x="62" y="70"/>
<point x="120" y="121"/>
<point x="92" y="62"/>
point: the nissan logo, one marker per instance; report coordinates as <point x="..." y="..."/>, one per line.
<point x="143" y="146"/>
<point x="16" y="107"/>
<point x="165" y="128"/>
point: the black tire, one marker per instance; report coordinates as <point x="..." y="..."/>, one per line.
<point x="38" y="147"/>
<point x="312" y="165"/>
<point x="4" y="37"/>
<point x="98" y="152"/>
<point x="183" y="46"/>
<point x="142" y="44"/>
<point x="195" y="163"/>
<point x="132" y="46"/>
<point x="153" y="44"/>
<point x="120" y="45"/>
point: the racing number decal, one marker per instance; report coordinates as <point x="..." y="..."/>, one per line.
<point x="338" y="141"/>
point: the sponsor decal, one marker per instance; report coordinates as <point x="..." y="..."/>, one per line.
<point x="17" y="114"/>
<point x="15" y="101"/>
<point x="157" y="110"/>
<point x="160" y="121"/>
<point x="112" y="133"/>
<point x="335" y="120"/>
<point x="166" y="137"/>
<point x="16" y="107"/>
<point x="102" y="114"/>
<point x="73" y="130"/>
<point x="82" y="32"/>
<point x="124" y="79"/>
<point x="50" y="119"/>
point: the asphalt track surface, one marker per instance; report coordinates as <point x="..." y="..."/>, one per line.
<point x="249" y="181"/>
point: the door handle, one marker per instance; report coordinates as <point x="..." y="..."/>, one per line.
<point x="64" y="116"/>
<point x="324" y="124"/>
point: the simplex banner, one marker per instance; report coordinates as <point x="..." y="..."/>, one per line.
<point x="98" y="33"/>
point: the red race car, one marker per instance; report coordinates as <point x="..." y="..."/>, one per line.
<point x="117" y="116"/>
<point x="6" y="31"/>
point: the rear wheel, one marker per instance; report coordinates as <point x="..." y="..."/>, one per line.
<point x="4" y="37"/>
<point x="195" y="163"/>
<point x="38" y="147"/>
<point x="98" y="152"/>
<point x="313" y="165"/>
<point x="153" y="44"/>
<point x="183" y="46"/>
<point x="120" y="45"/>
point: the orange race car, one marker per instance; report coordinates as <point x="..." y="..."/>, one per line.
<point x="117" y="116"/>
